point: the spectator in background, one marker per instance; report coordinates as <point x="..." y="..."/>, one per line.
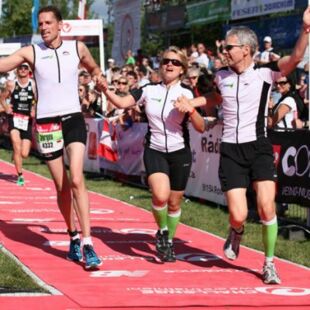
<point x="130" y="60"/>
<point x="193" y="75"/>
<point x="142" y="73"/>
<point x="132" y="79"/>
<point x="283" y="114"/>
<point x="202" y="59"/>
<point x="109" y="71"/>
<point x="268" y="54"/>
<point x="155" y="76"/>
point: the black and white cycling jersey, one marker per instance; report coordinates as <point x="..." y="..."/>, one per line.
<point x="168" y="130"/>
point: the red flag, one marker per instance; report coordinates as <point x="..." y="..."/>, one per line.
<point x="82" y="9"/>
<point x="108" y="145"/>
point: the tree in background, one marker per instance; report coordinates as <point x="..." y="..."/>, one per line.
<point x="16" y="14"/>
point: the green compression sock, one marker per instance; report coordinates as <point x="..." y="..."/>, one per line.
<point x="270" y="234"/>
<point x="173" y="221"/>
<point x="160" y="215"/>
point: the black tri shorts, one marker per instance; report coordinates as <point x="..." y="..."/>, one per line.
<point x="177" y="165"/>
<point x="24" y="134"/>
<point x="73" y="130"/>
<point x="240" y="164"/>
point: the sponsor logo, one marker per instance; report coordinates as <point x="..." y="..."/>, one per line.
<point x="296" y="162"/>
<point x="284" y="291"/>
<point x="229" y="85"/>
<point x="66" y="53"/>
<point x="119" y="273"/>
<point x="47" y="57"/>
<point x="156" y="99"/>
<point x="280" y="291"/>
<point x="209" y="145"/>
<point x="101" y="211"/>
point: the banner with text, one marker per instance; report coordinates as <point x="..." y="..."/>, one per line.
<point x="292" y="157"/>
<point x="249" y="8"/>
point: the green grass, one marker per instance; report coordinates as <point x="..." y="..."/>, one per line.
<point x="208" y="217"/>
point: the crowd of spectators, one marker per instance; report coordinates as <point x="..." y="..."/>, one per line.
<point x="139" y="69"/>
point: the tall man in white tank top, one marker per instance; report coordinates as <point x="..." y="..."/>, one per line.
<point x="60" y="124"/>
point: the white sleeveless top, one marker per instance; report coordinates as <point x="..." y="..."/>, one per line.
<point x="56" y="76"/>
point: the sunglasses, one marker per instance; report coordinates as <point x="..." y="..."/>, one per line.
<point x="281" y="83"/>
<point x="122" y="83"/>
<point x="23" y="68"/>
<point x="80" y="89"/>
<point x="175" y="62"/>
<point x="114" y="81"/>
<point x="193" y="77"/>
<point x="229" y="47"/>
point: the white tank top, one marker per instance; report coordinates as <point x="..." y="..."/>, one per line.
<point x="56" y="76"/>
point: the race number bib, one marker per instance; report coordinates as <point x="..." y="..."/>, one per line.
<point x="20" y="121"/>
<point x="49" y="137"/>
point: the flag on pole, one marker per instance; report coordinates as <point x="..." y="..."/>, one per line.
<point x="107" y="147"/>
<point x="34" y="15"/>
<point x="82" y="9"/>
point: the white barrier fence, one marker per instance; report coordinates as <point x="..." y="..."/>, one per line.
<point x="203" y="182"/>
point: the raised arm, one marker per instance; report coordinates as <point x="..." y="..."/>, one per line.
<point x="25" y="54"/>
<point x="288" y="63"/>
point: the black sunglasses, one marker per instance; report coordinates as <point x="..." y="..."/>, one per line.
<point x="23" y="67"/>
<point x="229" y="47"/>
<point x="175" y="62"/>
<point x="122" y="83"/>
<point x="281" y="83"/>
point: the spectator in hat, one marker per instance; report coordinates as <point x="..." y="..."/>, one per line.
<point x="268" y="54"/>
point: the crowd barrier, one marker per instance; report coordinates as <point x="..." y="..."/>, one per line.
<point x="291" y="151"/>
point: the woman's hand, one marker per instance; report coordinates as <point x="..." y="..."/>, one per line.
<point x="183" y="105"/>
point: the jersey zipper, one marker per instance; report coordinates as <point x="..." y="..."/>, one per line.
<point x="238" y="108"/>
<point x="162" y="117"/>
<point x="58" y="66"/>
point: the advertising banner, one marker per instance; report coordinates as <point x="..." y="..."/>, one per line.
<point x="204" y="182"/>
<point x="250" y="8"/>
<point x="292" y="157"/>
<point x="208" y="11"/>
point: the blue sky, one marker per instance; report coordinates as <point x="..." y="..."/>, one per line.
<point x="99" y="7"/>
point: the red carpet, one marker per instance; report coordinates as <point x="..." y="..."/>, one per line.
<point x="131" y="276"/>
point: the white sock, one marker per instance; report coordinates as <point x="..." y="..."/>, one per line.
<point x="87" y="241"/>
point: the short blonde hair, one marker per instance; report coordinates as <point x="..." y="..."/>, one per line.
<point x="181" y="54"/>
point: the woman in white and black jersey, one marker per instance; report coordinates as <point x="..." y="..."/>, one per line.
<point x="167" y="154"/>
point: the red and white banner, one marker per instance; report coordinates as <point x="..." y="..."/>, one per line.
<point x="82" y="9"/>
<point x="107" y="147"/>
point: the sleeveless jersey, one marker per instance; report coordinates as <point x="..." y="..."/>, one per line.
<point x="22" y="98"/>
<point x="56" y="76"/>
<point x="245" y="101"/>
<point x="167" y="130"/>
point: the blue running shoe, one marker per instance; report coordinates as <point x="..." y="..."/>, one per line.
<point x="91" y="258"/>
<point x="75" y="254"/>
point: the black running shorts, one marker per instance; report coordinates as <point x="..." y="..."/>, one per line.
<point x="240" y="164"/>
<point x="73" y="130"/>
<point x="176" y="165"/>
<point x="24" y="134"/>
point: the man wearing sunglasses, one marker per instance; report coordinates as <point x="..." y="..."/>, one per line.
<point x="60" y="125"/>
<point x="21" y="112"/>
<point x="246" y="155"/>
